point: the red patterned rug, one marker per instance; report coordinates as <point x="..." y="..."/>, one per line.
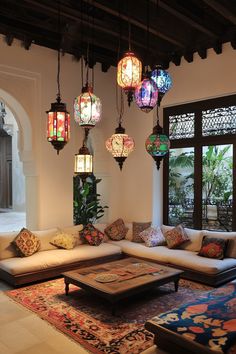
<point x="88" y="320"/>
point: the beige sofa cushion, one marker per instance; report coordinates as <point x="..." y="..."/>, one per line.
<point x="74" y="231"/>
<point x="58" y="257"/>
<point x="7" y="250"/>
<point x="195" y="237"/>
<point x="45" y="236"/>
<point x="231" y="236"/>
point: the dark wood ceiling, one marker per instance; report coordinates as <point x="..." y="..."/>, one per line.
<point x="161" y="31"/>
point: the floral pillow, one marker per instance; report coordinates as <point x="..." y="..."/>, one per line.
<point x="138" y="227"/>
<point x="213" y="247"/>
<point x="176" y="237"/>
<point x="63" y="240"/>
<point x="93" y="236"/>
<point x="117" y="230"/>
<point x="26" y="243"/>
<point x="152" y="237"/>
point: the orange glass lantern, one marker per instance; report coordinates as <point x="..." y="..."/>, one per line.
<point x="58" y="125"/>
<point x="129" y="74"/>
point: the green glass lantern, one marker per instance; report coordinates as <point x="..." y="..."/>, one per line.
<point x="157" y="144"/>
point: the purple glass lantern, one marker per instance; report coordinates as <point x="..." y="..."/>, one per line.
<point x="146" y="95"/>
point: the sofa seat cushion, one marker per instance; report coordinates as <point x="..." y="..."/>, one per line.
<point x="158" y="253"/>
<point x="7" y="250"/>
<point x="181" y="258"/>
<point x="54" y="258"/>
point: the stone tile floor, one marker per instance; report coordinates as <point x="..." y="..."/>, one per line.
<point x="11" y="220"/>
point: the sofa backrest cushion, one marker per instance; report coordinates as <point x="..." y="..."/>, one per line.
<point x="7" y="250"/>
<point x="45" y="236"/>
<point x="231" y="236"/>
<point x="195" y="236"/>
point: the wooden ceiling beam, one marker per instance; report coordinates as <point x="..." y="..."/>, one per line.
<point x="202" y="52"/>
<point x="221" y="10"/>
<point x="136" y="23"/>
<point x="187" y="18"/>
<point x="9" y="37"/>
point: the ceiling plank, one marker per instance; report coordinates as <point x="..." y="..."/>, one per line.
<point x="222" y="10"/>
<point x="136" y="23"/>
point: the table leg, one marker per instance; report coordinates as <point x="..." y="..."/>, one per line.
<point x="67" y="288"/>
<point x="176" y="285"/>
<point x="113" y="309"/>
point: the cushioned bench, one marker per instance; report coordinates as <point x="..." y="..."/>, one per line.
<point x="207" y="325"/>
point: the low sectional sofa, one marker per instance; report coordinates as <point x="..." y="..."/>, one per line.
<point x="51" y="261"/>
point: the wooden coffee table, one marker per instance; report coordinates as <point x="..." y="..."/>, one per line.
<point x="119" y="279"/>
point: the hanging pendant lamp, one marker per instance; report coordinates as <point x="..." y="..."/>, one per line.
<point x="163" y="81"/>
<point x="84" y="160"/>
<point x="146" y="95"/>
<point x="120" y="145"/>
<point x="157" y="144"/>
<point x="58" y="120"/>
<point x="129" y="74"/>
<point x="87" y="108"/>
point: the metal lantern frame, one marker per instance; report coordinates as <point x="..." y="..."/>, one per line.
<point x="146" y="94"/>
<point x="83" y="166"/>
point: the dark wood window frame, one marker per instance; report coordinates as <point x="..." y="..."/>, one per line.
<point x="197" y="142"/>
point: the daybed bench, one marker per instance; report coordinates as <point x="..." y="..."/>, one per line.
<point x="206" y="326"/>
<point x="51" y="261"/>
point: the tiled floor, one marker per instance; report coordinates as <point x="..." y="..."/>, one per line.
<point x="23" y="332"/>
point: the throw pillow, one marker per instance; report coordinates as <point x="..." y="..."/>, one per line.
<point x="213" y="247"/>
<point x="26" y="243"/>
<point x="93" y="236"/>
<point x="138" y="227"/>
<point x="152" y="237"/>
<point x="117" y="230"/>
<point x="63" y="240"/>
<point x="176" y="237"/>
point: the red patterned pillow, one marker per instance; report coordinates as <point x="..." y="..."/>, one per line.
<point x="176" y="237"/>
<point x="26" y="243"/>
<point x="117" y="230"/>
<point x="93" y="236"/>
<point x="213" y="247"/>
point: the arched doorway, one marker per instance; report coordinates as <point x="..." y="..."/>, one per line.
<point x="24" y="180"/>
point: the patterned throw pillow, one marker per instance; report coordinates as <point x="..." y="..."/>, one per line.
<point x="153" y="237"/>
<point x="176" y="237"/>
<point x="213" y="247"/>
<point x="138" y="227"/>
<point x="117" y="230"/>
<point x="26" y="243"/>
<point x="93" y="236"/>
<point x="63" y="240"/>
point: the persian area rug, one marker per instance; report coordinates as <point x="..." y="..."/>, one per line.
<point x="87" y="318"/>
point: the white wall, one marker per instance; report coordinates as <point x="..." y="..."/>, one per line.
<point x="28" y="86"/>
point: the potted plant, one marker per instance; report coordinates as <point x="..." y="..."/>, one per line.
<point x="87" y="207"/>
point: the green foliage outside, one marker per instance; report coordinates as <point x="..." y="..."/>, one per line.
<point x="87" y="207"/>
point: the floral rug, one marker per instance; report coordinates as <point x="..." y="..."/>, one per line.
<point x="87" y="318"/>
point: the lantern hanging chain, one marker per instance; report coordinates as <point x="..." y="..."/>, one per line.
<point x="157" y="116"/>
<point x="59" y="53"/>
<point x="81" y="44"/>
<point x="129" y="28"/>
<point x="88" y="44"/>
<point x="147" y="35"/>
<point x="93" y="45"/>
<point x="120" y="109"/>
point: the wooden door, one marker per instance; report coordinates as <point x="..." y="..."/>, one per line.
<point x="5" y="171"/>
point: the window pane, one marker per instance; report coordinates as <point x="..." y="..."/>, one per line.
<point x="217" y="187"/>
<point x="181" y="126"/>
<point x="219" y="121"/>
<point x="181" y="186"/>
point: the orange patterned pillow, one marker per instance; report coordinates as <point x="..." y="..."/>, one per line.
<point x="176" y="237"/>
<point x="26" y="243"/>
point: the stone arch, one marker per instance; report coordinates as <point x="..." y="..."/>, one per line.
<point x="25" y="148"/>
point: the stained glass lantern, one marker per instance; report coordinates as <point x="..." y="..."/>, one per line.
<point x="163" y="81"/>
<point x="83" y="163"/>
<point x="87" y="108"/>
<point x="146" y="95"/>
<point x="157" y="144"/>
<point x="120" y="145"/>
<point x="129" y="74"/>
<point x="58" y="125"/>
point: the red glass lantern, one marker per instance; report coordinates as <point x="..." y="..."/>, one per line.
<point x="129" y="74"/>
<point x="58" y="125"/>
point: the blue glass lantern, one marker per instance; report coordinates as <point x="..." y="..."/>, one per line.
<point x="146" y="95"/>
<point x="162" y="79"/>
